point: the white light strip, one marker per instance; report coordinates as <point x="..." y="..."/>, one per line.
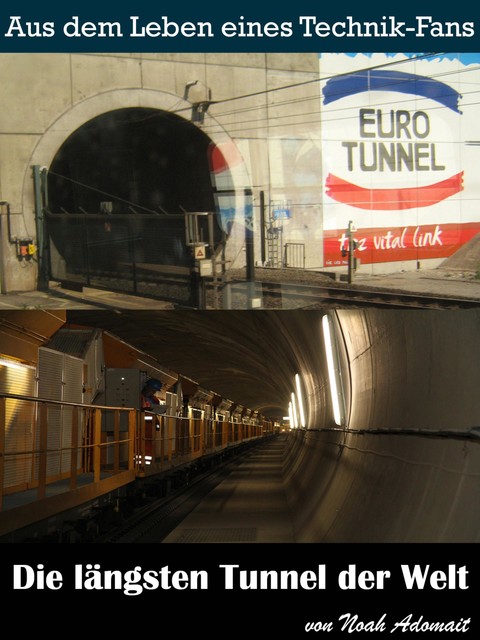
<point x="294" y="407"/>
<point x="300" y="401"/>
<point x="290" y="415"/>
<point x="331" y="369"/>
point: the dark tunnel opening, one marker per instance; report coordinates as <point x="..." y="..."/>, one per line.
<point x="117" y="193"/>
<point x="147" y="159"/>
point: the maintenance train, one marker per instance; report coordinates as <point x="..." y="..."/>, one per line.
<point x="77" y="430"/>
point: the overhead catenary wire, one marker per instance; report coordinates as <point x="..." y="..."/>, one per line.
<point x="282" y="120"/>
<point x="104" y="193"/>
<point x="292" y="101"/>
<point x="216" y="123"/>
<point x="316" y="80"/>
<point x="338" y="115"/>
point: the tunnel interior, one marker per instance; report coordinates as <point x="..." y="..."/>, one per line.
<point x="403" y="465"/>
<point x="118" y="189"/>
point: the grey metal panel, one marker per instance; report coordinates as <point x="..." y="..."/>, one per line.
<point x="60" y="378"/>
<point x="50" y="386"/>
<point x="72" y="392"/>
<point x="123" y="388"/>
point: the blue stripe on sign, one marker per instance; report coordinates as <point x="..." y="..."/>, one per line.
<point x="378" y="80"/>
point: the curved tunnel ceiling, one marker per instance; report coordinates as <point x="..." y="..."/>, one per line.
<point x="250" y="358"/>
<point x="408" y="368"/>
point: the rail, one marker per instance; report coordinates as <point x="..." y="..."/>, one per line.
<point x="304" y="296"/>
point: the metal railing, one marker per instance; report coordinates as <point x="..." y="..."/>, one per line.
<point x="134" y="253"/>
<point x="70" y="443"/>
<point x="63" y="450"/>
<point x="164" y="440"/>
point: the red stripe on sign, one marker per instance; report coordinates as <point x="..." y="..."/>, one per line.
<point x="223" y="156"/>
<point x="376" y="245"/>
<point x="388" y="199"/>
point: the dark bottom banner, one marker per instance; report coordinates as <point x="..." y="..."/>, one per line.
<point x="288" y="590"/>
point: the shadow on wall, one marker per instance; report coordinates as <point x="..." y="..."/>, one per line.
<point x="405" y="467"/>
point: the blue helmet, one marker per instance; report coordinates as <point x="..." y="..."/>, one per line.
<point x="154" y="384"/>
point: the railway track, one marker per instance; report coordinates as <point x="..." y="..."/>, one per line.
<point x="153" y="521"/>
<point x="293" y="295"/>
<point x="182" y="292"/>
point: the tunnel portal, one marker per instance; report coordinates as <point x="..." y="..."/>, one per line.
<point x="117" y="193"/>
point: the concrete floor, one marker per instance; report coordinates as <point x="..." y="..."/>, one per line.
<point x="248" y="506"/>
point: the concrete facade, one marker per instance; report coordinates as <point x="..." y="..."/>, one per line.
<point x="46" y="97"/>
<point x="267" y="114"/>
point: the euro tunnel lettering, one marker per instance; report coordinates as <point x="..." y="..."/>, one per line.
<point x="427" y="239"/>
<point x="373" y="123"/>
<point x="394" y="156"/>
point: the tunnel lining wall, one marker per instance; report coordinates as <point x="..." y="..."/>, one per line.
<point x="365" y="488"/>
<point x="406" y="468"/>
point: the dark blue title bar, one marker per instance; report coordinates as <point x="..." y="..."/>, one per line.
<point x="303" y="26"/>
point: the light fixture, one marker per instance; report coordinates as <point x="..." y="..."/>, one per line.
<point x="290" y="415"/>
<point x="300" y="401"/>
<point x="294" y="408"/>
<point x="13" y="364"/>
<point x="332" y="364"/>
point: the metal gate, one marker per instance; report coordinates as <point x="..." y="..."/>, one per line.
<point x="135" y="254"/>
<point x="143" y="254"/>
<point x="294" y="255"/>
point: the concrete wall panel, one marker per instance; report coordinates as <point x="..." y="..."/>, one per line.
<point x="93" y="74"/>
<point x="34" y="90"/>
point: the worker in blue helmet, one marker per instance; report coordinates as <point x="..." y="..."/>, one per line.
<point x="150" y="399"/>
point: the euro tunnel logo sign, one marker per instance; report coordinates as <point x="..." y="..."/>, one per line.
<point x="390" y="140"/>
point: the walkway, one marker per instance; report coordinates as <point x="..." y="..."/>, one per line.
<point x="248" y="506"/>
